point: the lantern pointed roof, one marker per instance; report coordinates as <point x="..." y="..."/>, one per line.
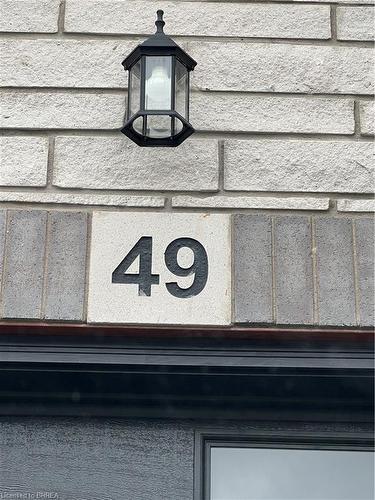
<point x="159" y="38"/>
<point x="159" y="44"/>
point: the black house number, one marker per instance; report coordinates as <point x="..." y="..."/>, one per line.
<point x="145" y="278"/>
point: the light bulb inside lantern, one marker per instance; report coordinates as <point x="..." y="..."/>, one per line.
<point x="158" y="96"/>
<point x="158" y="89"/>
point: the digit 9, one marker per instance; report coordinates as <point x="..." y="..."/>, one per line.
<point x="199" y="267"/>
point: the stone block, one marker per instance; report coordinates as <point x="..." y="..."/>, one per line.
<point x="263" y="202"/>
<point x="29" y="16"/>
<point x="336" y="287"/>
<point x="190" y="18"/>
<point x="66" y="266"/>
<point x="252" y="246"/>
<point x="23" y="161"/>
<point x="364" y="229"/>
<point x="291" y="165"/>
<point x="266" y="67"/>
<point x="178" y="269"/>
<point x="248" y="113"/>
<point x="62" y="198"/>
<point x="367" y="117"/>
<point x="293" y="271"/>
<point x="118" y="163"/>
<point x="355" y="23"/>
<point x="64" y="63"/>
<point x="24" y="264"/>
<point x="356" y="205"/>
<point x="61" y="110"/>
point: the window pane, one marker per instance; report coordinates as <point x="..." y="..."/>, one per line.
<point x="135" y="88"/>
<point x="290" y="474"/>
<point x="158" y="82"/>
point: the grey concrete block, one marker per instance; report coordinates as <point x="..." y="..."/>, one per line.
<point x="367" y="113"/>
<point x="365" y="265"/>
<point x="293" y="270"/>
<point x="2" y="243"/>
<point x="66" y="266"/>
<point x="79" y="161"/>
<point x="23" y="273"/>
<point x="252" y="269"/>
<point x="298" y="166"/>
<point x="29" y="16"/>
<point x="267" y="67"/>
<point x="336" y="288"/>
<point x="185" y="18"/>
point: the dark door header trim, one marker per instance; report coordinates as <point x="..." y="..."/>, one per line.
<point x="237" y="332"/>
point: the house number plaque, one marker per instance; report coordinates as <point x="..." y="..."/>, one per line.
<point x="159" y="268"/>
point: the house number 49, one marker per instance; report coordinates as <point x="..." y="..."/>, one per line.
<point x="145" y="279"/>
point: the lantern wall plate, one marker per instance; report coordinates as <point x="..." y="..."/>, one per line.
<point x="158" y="91"/>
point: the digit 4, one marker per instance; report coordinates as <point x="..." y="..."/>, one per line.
<point x="144" y="279"/>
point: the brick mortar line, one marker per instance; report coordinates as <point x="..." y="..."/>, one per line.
<point x="61" y="17"/>
<point x="221" y="166"/>
<point x="174" y="193"/>
<point x="357" y="120"/>
<point x="355" y="274"/>
<point x="276" y="211"/>
<point x="45" y="266"/>
<point x="273" y="272"/>
<point x="79" y="207"/>
<point x="87" y="266"/>
<point x="232" y="270"/>
<point x="231" y="211"/>
<point x="185" y="39"/>
<point x="213" y="135"/>
<point x="333" y="15"/>
<point x="167" y="204"/>
<point x="18" y="205"/>
<point x="119" y="91"/>
<point x="122" y="91"/>
<point x="4" y="263"/>
<point x="294" y="95"/>
<point x="333" y="206"/>
<point x="315" y="279"/>
<point x="50" y="160"/>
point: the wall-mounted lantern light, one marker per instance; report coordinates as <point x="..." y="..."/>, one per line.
<point x="158" y="91"/>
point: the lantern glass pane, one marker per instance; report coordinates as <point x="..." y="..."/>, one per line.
<point x="181" y="90"/>
<point x="177" y="126"/>
<point x="159" y="126"/>
<point x="138" y="124"/>
<point x="158" y="82"/>
<point x="135" y="88"/>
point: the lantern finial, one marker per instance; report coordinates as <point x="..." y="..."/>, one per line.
<point x="159" y="23"/>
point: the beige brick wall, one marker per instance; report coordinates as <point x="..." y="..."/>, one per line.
<point x="282" y="101"/>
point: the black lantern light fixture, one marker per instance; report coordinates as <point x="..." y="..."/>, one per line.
<point x="158" y="91"/>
